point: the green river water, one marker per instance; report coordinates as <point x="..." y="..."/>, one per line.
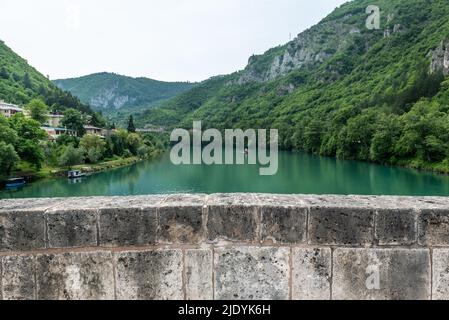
<point x="298" y="173"/>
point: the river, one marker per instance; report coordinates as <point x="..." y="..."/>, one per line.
<point x="298" y="173"/>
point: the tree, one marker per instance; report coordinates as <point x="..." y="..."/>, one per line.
<point x="31" y="152"/>
<point x="73" y="120"/>
<point x="71" y="156"/>
<point x="93" y="146"/>
<point x="8" y="158"/>
<point x="7" y="135"/>
<point x="30" y="135"/>
<point x="131" y="127"/>
<point x="97" y="120"/>
<point x="27" y="129"/>
<point x="38" y="110"/>
<point x="134" y="141"/>
<point x="4" y="73"/>
<point x="27" y="81"/>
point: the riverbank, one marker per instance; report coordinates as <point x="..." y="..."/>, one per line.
<point x="46" y="172"/>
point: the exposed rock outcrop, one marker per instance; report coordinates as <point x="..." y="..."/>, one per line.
<point x="440" y="58"/>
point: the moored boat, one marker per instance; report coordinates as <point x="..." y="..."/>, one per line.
<point x="15" y="183"/>
<point x="75" y="174"/>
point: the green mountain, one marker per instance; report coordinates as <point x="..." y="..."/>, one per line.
<point x="108" y="92"/>
<point x="340" y="89"/>
<point x="20" y="83"/>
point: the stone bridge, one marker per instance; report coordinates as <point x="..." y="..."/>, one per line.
<point x="225" y="246"/>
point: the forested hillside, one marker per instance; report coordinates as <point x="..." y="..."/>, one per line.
<point x="109" y="92"/>
<point x="340" y="89"/>
<point x="20" y="83"/>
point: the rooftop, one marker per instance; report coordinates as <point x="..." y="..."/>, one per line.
<point x="9" y="106"/>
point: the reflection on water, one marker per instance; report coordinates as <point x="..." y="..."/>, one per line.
<point x="298" y="173"/>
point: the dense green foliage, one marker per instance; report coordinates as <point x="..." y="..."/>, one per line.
<point x="73" y="120"/>
<point x="38" y="110"/>
<point x="91" y="149"/>
<point x="117" y="95"/>
<point x="20" y="139"/>
<point x="373" y="100"/>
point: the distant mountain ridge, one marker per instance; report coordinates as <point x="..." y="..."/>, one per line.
<point x="110" y="92"/>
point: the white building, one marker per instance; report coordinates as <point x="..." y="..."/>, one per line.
<point x="8" y="110"/>
<point x="54" y="133"/>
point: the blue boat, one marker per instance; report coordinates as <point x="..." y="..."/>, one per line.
<point x="15" y="183"/>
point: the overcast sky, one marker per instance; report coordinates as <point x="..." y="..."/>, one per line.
<point x="182" y="40"/>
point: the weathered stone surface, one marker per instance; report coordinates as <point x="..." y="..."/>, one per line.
<point x="284" y="224"/>
<point x="128" y="227"/>
<point x="20" y="231"/>
<point x="433" y="227"/>
<point x="279" y="200"/>
<point x="233" y="199"/>
<point x="74" y="228"/>
<point x="75" y="276"/>
<point x="233" y="223"/>
<point x="312" y="271"/>
<point x="252" y="273"/>
<point x="232" y="217"/>
<point x="341" y="226"/>
<point x="27" y="205"/>
<point x="18" y="278"/>
<point x="149" y="275"/>
<point x="381" y="274"/>
<point x="198" y="275"/>
<point x="396" y="227"/>
<point x="440" y="274"/>
<point x="181" y="219"/>
<point x="117" y="202"/>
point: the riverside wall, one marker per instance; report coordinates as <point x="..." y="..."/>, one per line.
<point x="225" y="246"/>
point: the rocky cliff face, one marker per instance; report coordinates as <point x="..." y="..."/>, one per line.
<point x="110" y="97"/>
<point x="440" y="58"/>
<point x="314" y="46"/>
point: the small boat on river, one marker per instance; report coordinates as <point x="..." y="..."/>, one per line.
<point x="15" y="183"/>
<point x="75" y="174"/>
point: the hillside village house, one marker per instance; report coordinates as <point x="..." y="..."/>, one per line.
<point x="53" y="126"/>
<point x="94" y="131"/>
<point x="54" y="120"/>
<point x="8" y="110"/>
<point x="54" y="132"/>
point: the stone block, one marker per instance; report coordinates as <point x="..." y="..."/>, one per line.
<point x="29" y="205"/>
<point x="252" y="273"/>
<point x="286" y="225"/>
<point x="127" y="227"/>
<point x="18" y="278"/>
<point x="21" y="231"/>
<point x="381" y="274"/>
<point x="182" y="224"/>
<point x="312" y="272"/>
<point x="75" y="276"/>
<point x="396" y="227"/>
<point x="233" y="217"/>
<point x="433" y="227"/>
<point x="440" y="274"/>
<point x="198" y="275"/>
<point x="149" y="275"/>
<point x="69" y="229"/>
<point x="341" y="226"/>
